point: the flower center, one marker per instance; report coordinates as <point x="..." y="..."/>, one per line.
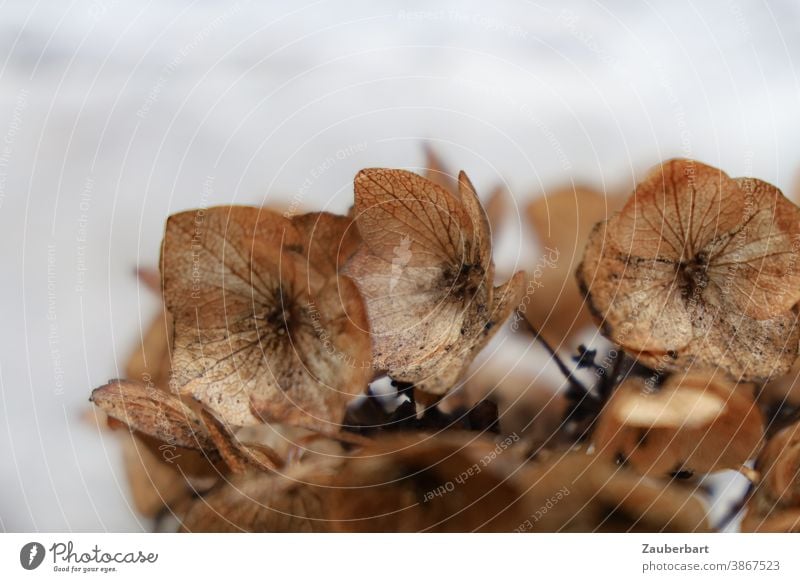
<point x="465" y="281"/>
<point x="693" y="274"/>
<point x="274" y="321"/>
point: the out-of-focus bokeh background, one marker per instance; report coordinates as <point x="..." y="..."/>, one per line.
<point x="116" y="113"/>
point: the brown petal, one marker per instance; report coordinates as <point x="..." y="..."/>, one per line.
<point x="261" y="503"/>
<point x="437" y="172"/>
<point x="602" y="497"/>
<point x="150" y="362"/>
<point x="775" y="504"/>
<point x="330" y="240"/>
<point x="497" y="207"/>
<point x="699" y="423"/>
<point x="393" y="485"/>
<point x="481" y="244"/>
<point x="678" y="209"/>
<point x="761" y="262"/>
<point x="162" y="475"/>
<point x="238" y="456"/>
<point x="780" y="465"/>
<point x="330" y="362"/>
<point x="152" y="412"/>
<point x="562" y="221"/>
<point x="150" y="278"/>
<point x="457" y="485"/>
<point x="636" y="301"/>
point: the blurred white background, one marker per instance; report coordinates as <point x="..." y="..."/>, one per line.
<point x="116" y="113"/>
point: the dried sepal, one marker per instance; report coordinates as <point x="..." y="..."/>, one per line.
<point x="161" y="475"/>
<point x="696" y="422"/>
<point x="452" y="484"/>
<point x="261" y="334"/>
<point x="497" y="202"/>
<point x="150" y="279"/>
<point x="497" y="206"/>
<point x="150" y="361"/>
<point x="260" y="502"/>
<point x="291" y="444"/>
<point x="153" y="412"/>
<point x="437" y="171"/>
<point x="415" y="483"/>
<point x="237" y="456"/>
<point x="562" y="221"/>
<point x="699" y="267"/>
<point x="775" y="504"/>
<point x="329" y="240"/>
<point x="602" y="497"/>
<point x="426" y="274"/>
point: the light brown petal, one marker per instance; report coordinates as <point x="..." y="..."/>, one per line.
<point x="760" y="265"/>
<point x="775" y="504"/>
<point x="153" y="412"/>
<point x="396" y="209"/>
<point x="160" y="475"/>
<point x="456" y="485"/>
<point x="563" y="219"/>
<point x="636" y="301"/>
<point x="678" y="209"/>
<point x="329" y="362"/>
<point x="261" y="503"/>
<point x="698" y="267"/>
<point x="150" y="362"/>
<point x="481" y="244"/>
<point x="408" y="484"/>
<point x="330" y="240"/>
<point x="747" y="348"/>
<point x="436" y="171"/>
<point x="686" y="435"/>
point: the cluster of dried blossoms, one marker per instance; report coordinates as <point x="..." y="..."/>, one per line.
<point x="249" y="406"/>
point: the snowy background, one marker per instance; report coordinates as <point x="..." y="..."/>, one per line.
<point x="114" y="114"/>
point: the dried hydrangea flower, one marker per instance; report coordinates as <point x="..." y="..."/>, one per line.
<point x="426" y="273"/>
<point x="699" y="267"/>
<point x="775" y="504"/>
<point x="696" y="422"/>
<point x="265" y="329"/>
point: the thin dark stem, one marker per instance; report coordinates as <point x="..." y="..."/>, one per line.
<point x="573" y="381"/>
